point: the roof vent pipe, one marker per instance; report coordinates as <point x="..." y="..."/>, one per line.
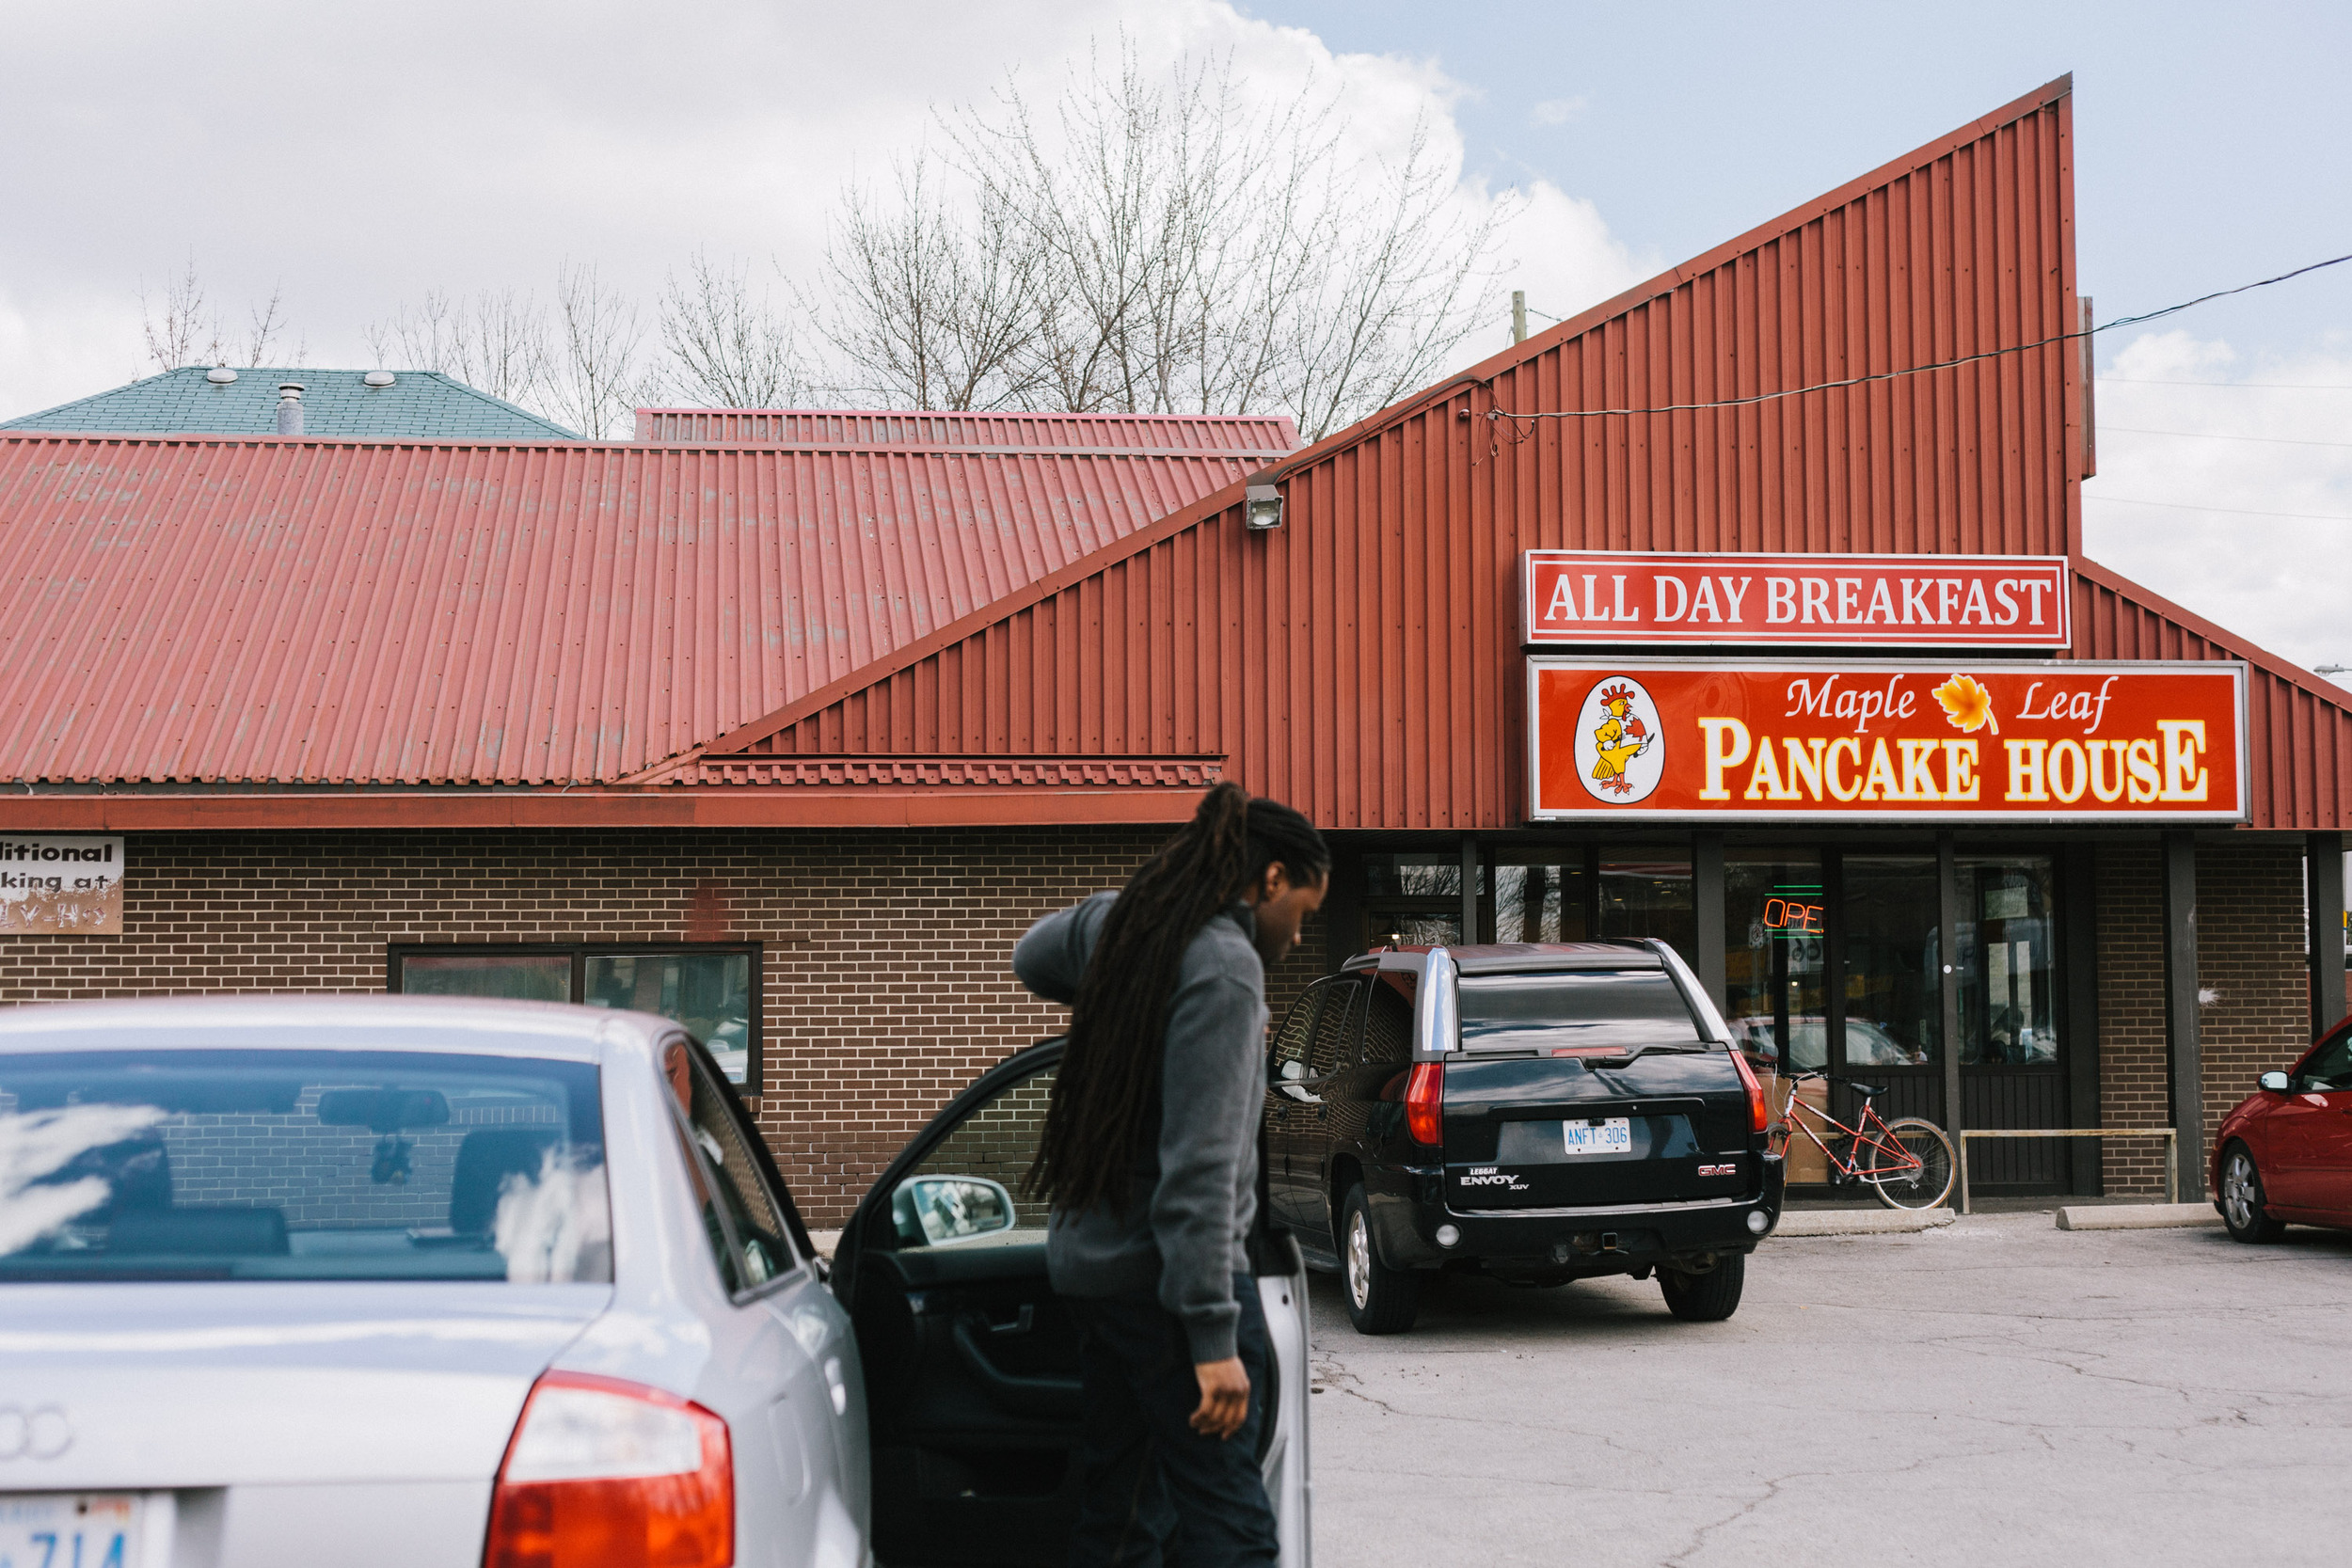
<point x="290" y="408"/>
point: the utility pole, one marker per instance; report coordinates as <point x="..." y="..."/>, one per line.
<point x="1518" y="315"/>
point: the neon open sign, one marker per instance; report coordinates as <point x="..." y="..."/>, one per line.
<point x="1793" y="919"/>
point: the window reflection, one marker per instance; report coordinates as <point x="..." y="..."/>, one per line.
<point x="1647" y="893"/>
<point x="1893" y="970"/>
<point x="1541" y="901"/>
<point x="1774" y="937"/>
<point x="2006" y="1018"/>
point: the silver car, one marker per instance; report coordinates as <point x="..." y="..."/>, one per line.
<point x="421" y="1280"/>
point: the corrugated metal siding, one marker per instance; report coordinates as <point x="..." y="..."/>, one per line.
<point x="1265" y="436"/>
<point x="1362" y="661"/>
<point x="287" y="610"/>
<point x="2298" y="727"/>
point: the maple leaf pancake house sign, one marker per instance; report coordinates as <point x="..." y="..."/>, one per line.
<point x="1865" y="740"/>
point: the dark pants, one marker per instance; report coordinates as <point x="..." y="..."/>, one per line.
<point x="1156" y="1491"/>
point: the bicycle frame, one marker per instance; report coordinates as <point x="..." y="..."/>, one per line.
<point x="1904" y="1163"/>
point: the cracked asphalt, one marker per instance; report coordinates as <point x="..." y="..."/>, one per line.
<point x="1997" y="1391"/>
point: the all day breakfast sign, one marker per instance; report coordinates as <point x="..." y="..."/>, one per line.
<point x="1823" y="601"/>
<point x="1868" y="740"/>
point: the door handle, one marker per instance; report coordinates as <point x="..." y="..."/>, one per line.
<point x="1049" y="1398"/>
<point x="1023" y="1322"/>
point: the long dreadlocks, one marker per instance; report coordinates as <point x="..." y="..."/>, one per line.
<point x="1105" y="1104"/>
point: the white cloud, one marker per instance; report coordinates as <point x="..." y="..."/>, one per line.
<point x="2268" y="441"/>
<point x="1558" y="111"/>
<point x="359" y="156"/>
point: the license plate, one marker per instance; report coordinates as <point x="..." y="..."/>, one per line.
<point x="1613" y="1136"/>
<point x="71" y="1529"/>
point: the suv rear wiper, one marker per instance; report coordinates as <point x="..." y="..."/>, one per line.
<point x="1593" y="1064"/>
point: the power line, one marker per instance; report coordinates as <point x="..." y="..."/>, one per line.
<point x="1917" y="370"/>
<point x="2217" y="436"/>
<point x="2234" y="511"/>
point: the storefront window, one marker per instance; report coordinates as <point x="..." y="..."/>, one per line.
<point x="1414" y="899"/>
<point x="2006" y="961"/>
<point x="1775" y="920"/>
<point x="509" y="977"/>
<point x="1647" y="893"/>
<point x="1893" y="970"/>
<point x="708" y="992"/>
<point x="1542" y="900"/>
<point x="709" y="989"/>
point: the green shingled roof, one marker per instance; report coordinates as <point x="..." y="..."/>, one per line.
<point x="419" y="403"/>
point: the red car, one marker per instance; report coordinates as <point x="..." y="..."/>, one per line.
<point x="2285" y="1152"/>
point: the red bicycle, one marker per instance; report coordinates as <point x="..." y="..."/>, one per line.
<point x="1907" y="1161"/>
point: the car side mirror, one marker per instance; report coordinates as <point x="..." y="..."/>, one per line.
<point x="941" y="1210"/>
<point x="2275" y="1082"/>
<point x="1294" y="1071"/>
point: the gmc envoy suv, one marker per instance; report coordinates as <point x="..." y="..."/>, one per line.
<point x="1535" y="1113"/>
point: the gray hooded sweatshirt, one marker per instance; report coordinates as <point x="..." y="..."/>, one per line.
<point x="1185" y="1227"/>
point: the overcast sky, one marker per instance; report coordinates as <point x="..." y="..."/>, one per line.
<point x="358" y="156"/>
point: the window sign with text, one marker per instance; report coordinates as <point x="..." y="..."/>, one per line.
<point x="1865" y="601"/>
<point x="1863" y="741"/>
<point x="60" y="886"/>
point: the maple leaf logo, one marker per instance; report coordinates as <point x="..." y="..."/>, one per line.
<point x="1967" y="705"/>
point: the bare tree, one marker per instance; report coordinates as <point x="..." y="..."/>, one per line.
<point x="495" y="341"/>
<point x="594" y="371"/>
<point x="183" y="330"/>
<point x="265" y="324"/>
<point x="726" y="343"/>
<point x="929" y="306"/>
<point x="1157" y="245"/>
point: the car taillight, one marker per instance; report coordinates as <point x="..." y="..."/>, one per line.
<point x="605" y="1474"/>
<point x="1424" y="1104"/>
<point x="1759" y="1115"/>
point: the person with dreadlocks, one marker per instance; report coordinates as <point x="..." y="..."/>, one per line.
<point x="1150" y="1161"/>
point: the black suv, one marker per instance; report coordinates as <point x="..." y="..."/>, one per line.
<point x="1537" y="1112"/>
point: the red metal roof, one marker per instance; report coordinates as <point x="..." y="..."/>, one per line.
<point x="252" y="609"/>
<point x="967" y="638"/>
<point x="1361" y="661"/>
<point x="1246" y="434"/>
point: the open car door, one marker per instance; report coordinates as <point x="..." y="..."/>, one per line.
<point x="971" y="1361"/>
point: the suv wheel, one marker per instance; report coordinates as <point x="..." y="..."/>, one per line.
<point x="1380" y="1300"/>
<point x="1706" y="1298"/>
<point x="2242" y="1199"/>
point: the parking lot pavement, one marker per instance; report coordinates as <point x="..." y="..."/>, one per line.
<point x="1993" y="1391"/>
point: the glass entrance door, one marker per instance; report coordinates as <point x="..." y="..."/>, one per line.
<point x="1891" y="955"/>
<point x="2009" y="1052"/>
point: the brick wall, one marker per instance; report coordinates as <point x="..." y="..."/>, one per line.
<point x="885" y="988"/>
<point x="2250" y="966"/>
<point x="2250" y="971"/>
<point x="2135" y="1071"/>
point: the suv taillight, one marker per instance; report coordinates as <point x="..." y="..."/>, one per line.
<point x="1424" y="1104"/>
<point x="1759" y="1115"/>
<point x="605" y="1474"/>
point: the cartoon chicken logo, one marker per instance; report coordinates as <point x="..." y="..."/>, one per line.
<point x="1620" y="758"/>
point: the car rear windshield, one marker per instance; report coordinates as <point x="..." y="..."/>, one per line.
<point x="1586" y="1007"/>
<point x="300" y="1165"/>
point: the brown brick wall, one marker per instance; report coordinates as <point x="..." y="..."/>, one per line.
<point x="886" y="986"/>
<point x="2249" y="967"/>
<point x="2135" y="1073"/>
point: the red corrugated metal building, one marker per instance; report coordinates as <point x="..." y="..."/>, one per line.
<point x="819" y="707"/>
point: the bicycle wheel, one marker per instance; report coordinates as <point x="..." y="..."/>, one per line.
<point x="1906" y="1188"/>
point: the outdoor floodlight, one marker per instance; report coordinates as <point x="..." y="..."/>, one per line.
<point x="1262" y="507"/>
